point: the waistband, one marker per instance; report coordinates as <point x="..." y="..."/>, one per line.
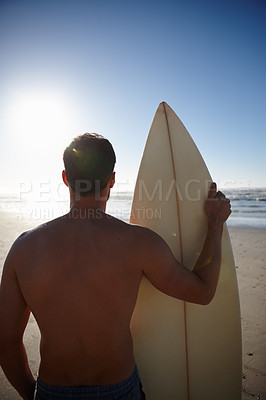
<point x="107" y="392"/>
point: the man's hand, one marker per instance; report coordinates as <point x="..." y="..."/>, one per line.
<point x="217" y="207"/>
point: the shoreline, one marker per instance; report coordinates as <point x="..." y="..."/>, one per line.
<point x="249" y="247"/>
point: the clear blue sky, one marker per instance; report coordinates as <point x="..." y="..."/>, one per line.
<point x="69" y="67"/>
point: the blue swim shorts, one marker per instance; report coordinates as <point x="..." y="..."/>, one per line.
<point x="128" y="389"/>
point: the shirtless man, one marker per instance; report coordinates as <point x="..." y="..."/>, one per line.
<point x="79" y="275"/>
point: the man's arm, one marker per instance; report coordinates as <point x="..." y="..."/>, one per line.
<point x="218" y="209"/>
<point x="14" y="315"/>
<point x="169" y="276"/>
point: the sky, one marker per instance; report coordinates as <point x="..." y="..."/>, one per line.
<point x="69" y="67"/>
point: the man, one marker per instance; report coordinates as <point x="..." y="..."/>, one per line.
<point x="79" y="275"/>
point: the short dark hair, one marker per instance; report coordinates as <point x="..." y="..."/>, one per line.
<point x="89" y="162"/>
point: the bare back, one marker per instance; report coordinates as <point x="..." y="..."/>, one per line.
<point x="80" y="276"/>
<point x="80" y="279"/>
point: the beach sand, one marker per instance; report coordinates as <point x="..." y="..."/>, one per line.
<point x="249" y="245"/>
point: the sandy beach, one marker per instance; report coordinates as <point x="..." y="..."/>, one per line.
<point x="249" y="246"/>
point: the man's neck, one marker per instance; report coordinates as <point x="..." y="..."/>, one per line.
<point x="96" y="202"/>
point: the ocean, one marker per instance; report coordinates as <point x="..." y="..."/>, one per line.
<point x="248" y="207"/>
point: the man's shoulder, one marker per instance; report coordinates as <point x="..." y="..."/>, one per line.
<point x="143" y="234"/>
<point x="136" y="231"/>
<point x="20" y="248"/>
<point x="28" y="237"/>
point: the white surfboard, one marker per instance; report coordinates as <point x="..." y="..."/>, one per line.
<point x="184" y="351"/>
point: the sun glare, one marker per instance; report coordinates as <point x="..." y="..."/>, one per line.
<point x="37" y="125"/>
<point x="39" y="118"/>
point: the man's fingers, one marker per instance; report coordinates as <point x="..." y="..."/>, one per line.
<point x="212" y="191"/>
<point x="220" y="195"/>
<point x="217" y="206"/>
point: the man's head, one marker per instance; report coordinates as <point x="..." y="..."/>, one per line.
<point x="89" y="162"/>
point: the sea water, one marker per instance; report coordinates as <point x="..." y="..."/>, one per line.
<point x="248" y="206"/>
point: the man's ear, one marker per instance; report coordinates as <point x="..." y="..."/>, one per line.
<point x="64" y="178"/>
<point x="112" y="180"/>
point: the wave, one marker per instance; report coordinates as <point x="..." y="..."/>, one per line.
<point x="256" y="195"/>
<point x="249" y="211"/>
<point x="246" y="198"/>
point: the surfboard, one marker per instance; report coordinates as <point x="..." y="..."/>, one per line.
<point x="184" y="351"/>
